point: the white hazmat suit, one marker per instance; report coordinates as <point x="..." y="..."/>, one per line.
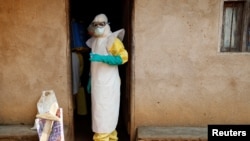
<point x="107" y="52"/>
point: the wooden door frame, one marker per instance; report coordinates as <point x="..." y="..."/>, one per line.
<point x="128" y="6"/>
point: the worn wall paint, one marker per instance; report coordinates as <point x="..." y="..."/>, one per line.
<point x="34" y="57"/>
<point x="180" y="78"/>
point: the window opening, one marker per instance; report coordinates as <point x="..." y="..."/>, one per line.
<point x="235" y="28"/>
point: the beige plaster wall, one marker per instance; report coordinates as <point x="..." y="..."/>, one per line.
<point x="180" y="77"/>
<point x="34" y="57"/>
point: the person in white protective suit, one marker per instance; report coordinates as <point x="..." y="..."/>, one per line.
<point x="107" y="52"/>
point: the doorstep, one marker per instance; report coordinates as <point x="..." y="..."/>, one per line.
<point x="156" y="133"/>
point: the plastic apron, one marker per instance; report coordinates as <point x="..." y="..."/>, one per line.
<point x="105" y="86"/>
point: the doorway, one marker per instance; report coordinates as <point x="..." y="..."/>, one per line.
<point x="119" y="16"/>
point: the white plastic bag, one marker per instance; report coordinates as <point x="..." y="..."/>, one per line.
<point x="49" y="122"/>
<point x="47" y="106"/>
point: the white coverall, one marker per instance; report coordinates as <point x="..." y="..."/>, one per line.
<point x="105" y="81"/>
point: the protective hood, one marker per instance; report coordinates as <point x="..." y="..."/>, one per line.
<point x="100" y="21"/>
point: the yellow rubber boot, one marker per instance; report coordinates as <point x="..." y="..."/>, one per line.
<point x="101" y="137"/>
<point x="113" y="136"/>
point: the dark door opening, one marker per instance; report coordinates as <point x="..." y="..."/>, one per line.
<point x="119" y="16"/>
